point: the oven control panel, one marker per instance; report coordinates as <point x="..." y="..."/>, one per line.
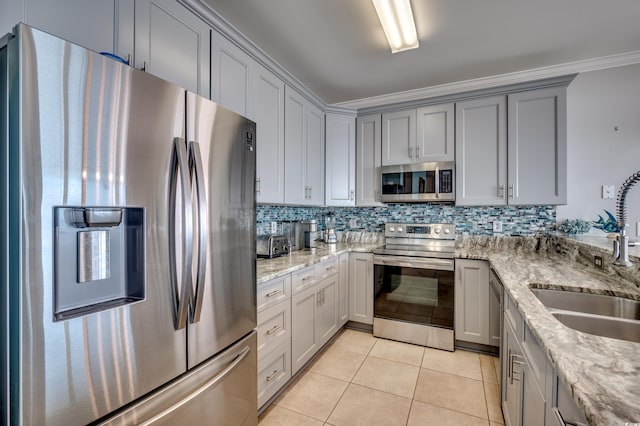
<point x="444" y="231"/>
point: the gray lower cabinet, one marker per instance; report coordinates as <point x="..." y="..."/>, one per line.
<point x="532" y="392"/>
<point x="274" y="336"/>
<point x="472" y="301"/>
<point x="361" y="288"/>
<point x="343" y="289"/>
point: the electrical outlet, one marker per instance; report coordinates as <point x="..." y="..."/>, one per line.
<point x="353" y="223"/>
<point x="274" y="227"/>
<point x="497" y="226"/>
<point x="608" y="191"/>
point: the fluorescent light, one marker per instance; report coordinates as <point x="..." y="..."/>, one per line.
<point x="397" y="22"/>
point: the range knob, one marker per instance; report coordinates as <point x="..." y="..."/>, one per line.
<point x="447" y="231"/>
<point x="437" y="230"/>
<point x="392" y="229"/>
<point x="399" y="228"/>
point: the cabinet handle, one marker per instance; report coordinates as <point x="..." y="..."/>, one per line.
<point x="144" y="66"/>
<point x="514" y="359"/>
<point x="273" y="375"/>
<point x="323" y="296"/>
<point x="510" y="190"/>
<point x="129" y="59"/>
<point x="310" y="192"/>
<point x="258" y="185"/>
<point x="274" y="329"/>
<point x="330" y="268"/>
<point x="274" y="293"/>
<point x="307" y="278"/>
<point x="501" y="191"/>
<point x="352" y="195"/>
<point x="410" y="152"/>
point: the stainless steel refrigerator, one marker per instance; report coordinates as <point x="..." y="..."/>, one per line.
<point x="128" y="245"/>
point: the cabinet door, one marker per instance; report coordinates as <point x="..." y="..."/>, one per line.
<point x="368" y="159"/>
<point x="268" y="113"/>
<point x="472" y="301"/>
<point x="340" y="139"/>
<point x="102" y="26"/>
<point x="343" y="289"/>
<point x="174" y="44"/>
<point x="511" y="355"/>
<point x="230" y="75"/>
<point x="435" y="133"/>
<point x="295" y="152"/>
<point x="327" y="311"/>
<point x="304" y="338"/>
<point x="398" y="137"/>
<point x="361" y="288"/>
<point x="494" y="317"/>
<point x="481" y="152"/>
<point x="538" y="147"/>
<point x="533" y="402"/>
<point x="315" y="155"/>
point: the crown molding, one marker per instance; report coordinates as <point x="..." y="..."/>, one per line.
<point x="477" y="84"/>
<point x="222" y="26"/>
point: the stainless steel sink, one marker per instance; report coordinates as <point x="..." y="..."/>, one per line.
<point x="607" y="316"/>
<point x="615" y="328"/>
<point x="596" y="304"/>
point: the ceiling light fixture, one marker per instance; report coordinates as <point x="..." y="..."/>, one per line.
<point x="397" y="22"/>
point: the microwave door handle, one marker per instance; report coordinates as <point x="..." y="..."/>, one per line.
<point x="195" y="163"/>
<point x="437" y="182"/>
<point x="180" y="288"/>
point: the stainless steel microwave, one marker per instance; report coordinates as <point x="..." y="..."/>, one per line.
<point x="420" y="182"/>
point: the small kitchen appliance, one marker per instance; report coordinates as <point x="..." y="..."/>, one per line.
<point x="329" y="229"/>
<point x="309" y="233"/>
<point x="270" y="246"/>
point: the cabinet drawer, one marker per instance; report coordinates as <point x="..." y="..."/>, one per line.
<point x="274" y="370"/>
<point x="274" y="327"/>
<point x="512" y="314"/>
<point x="326" y="269"/>
<point x="272" y="292"/>
<point x="536" y="358"/>
<point x="303" y="278"/>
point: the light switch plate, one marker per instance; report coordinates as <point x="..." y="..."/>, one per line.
<point x="497" y="226"/>
<point x="608" y="191"/>
<point x="274" y="227"/>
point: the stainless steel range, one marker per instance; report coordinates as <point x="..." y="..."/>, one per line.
<point x="414" y="284"/>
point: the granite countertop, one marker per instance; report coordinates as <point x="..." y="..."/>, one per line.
<point x="602" y="373"/>
<point x="268" y="269"/>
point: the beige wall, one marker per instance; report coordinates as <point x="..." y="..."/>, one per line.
<point x="598" y="103"/>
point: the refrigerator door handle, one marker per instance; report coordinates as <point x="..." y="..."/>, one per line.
<point x="214" y="381"/>
<point x="181" y="289"/>
<point x="195" y="164"/>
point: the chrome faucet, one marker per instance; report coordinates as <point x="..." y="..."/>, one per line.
<point x="621" y="245"/>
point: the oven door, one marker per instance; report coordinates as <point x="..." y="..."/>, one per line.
<point x="414" y="290"/>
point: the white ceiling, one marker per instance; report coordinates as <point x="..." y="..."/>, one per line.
<point x="338" y="50"/>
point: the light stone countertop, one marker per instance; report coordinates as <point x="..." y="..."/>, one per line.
<point x="603" y="374"/>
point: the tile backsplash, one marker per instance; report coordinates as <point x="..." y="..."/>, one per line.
<point x="516" y="220"/>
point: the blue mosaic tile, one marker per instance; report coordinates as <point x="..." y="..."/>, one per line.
<point x="516" y="220"/>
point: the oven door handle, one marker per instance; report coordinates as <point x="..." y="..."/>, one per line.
<point x="414" y="262"/>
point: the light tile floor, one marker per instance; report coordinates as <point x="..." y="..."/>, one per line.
<point x="362" y="380"/>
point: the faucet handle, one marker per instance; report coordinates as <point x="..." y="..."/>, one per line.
<point x="616" y="247"/>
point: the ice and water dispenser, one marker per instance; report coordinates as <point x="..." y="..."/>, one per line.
<point x="99" y="259"/>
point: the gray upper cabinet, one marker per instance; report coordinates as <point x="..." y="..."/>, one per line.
<point x="230" y="75"/>
<point x="519" y="161"/>
<point x="304" y="150"/>
<point x="368" y="159"/>
<point x="268" y="113"/>
<point x="174" y="44"/>
<point x="538" y="147"/>
<point x="102" y="26"/>
<point x="435" y="136"/>
<point x="398" y="137"/>
<point x="340" y="164"/>
<point x="481" y="151"/>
